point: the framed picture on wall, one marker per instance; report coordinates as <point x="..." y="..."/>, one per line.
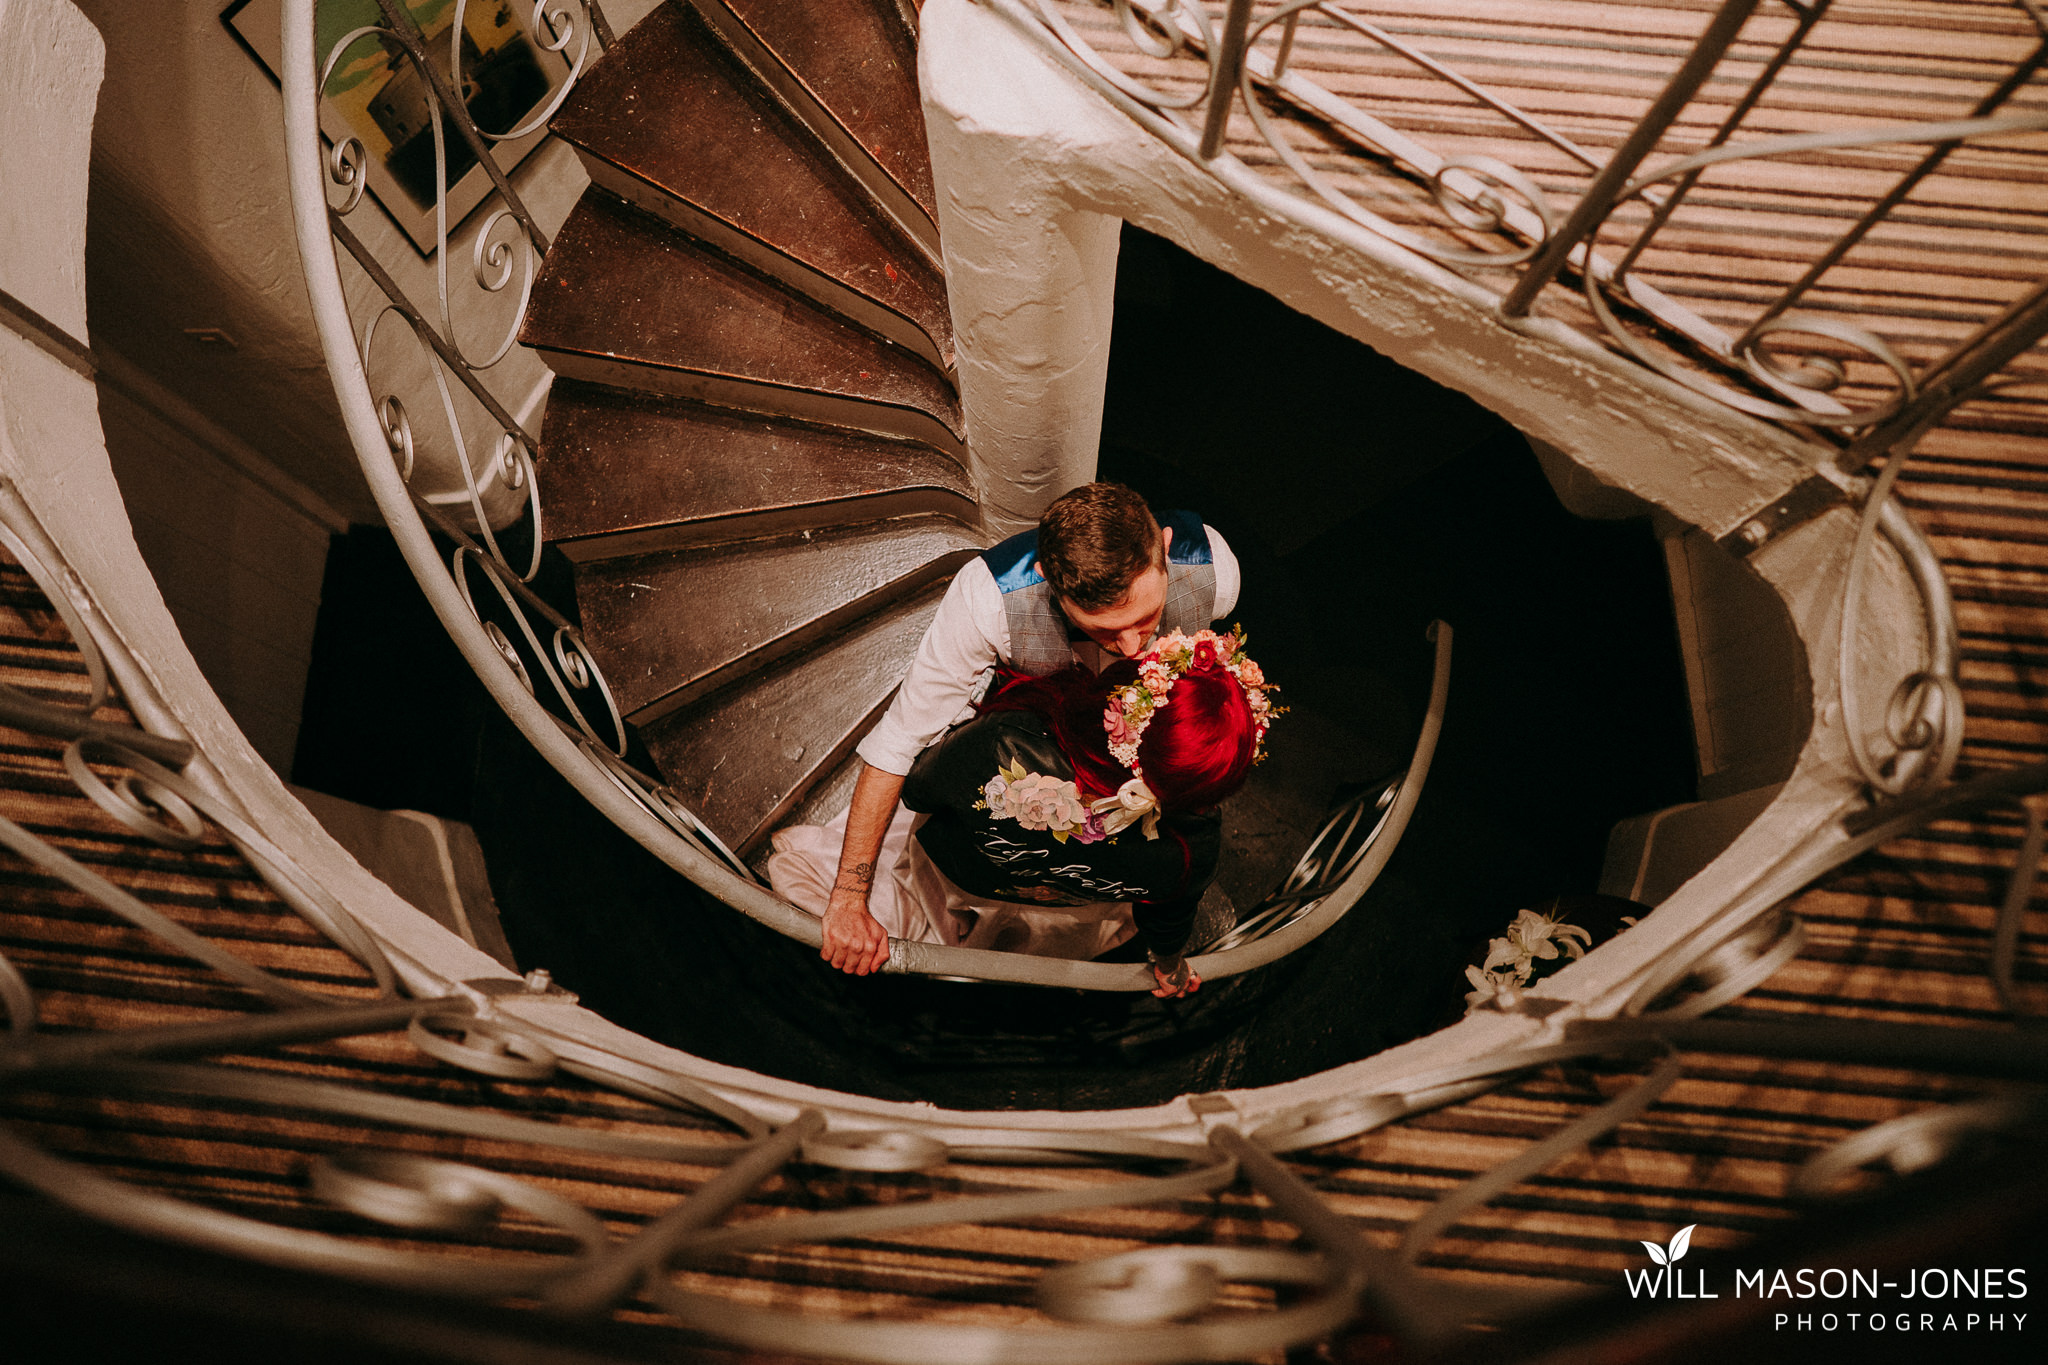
<point x="378" y="96"/>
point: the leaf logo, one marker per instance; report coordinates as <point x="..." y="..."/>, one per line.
<point x="1680" y="1240"/>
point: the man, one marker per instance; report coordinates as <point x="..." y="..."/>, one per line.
<point x="1097" y="579"/>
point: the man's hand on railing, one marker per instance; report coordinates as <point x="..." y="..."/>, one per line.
<point x="854" y="939"/>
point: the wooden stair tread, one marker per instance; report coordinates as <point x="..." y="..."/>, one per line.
<point x="854" y="62"/>
<point x="670" y="121"/>
<point x="670" y="629"/>
<point x="742" y="759"/>
<point x="625" y="300"/>
<point x="626" y="473"/>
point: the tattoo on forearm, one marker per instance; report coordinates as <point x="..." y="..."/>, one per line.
<point x="857" y="876"/>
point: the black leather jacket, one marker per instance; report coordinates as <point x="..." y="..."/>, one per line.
<point x="1001" y="860"/>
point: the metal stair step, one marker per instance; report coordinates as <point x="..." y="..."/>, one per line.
<point x="743" y="758"/>
<point x="670" y="629"/>
<point x="671" y="123"/>
<point x="848" y="69"/>
<point x="626" y="300"/>
<point x="629" y="474"/>
<point x="830" y="793"/>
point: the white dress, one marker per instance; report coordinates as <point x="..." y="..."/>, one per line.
<point x="913" y="900"/>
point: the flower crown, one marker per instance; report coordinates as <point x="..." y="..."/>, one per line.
<point x="1132" y="707"/>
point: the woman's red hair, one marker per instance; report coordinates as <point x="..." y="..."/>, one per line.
<point x="1195" y="752"/>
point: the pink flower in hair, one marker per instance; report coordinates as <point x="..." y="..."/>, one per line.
<point x="1113" y="721"/>
<point x="1131" y="709"/>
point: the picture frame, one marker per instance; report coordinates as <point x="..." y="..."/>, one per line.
<point x="377" y="96"/>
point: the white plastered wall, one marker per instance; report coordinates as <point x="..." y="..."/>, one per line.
<point x="51" y="449"/>
<point x="1035" y="171"/>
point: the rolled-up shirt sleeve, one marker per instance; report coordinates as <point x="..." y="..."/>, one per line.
<point x="1229" y="578"/>
<point x="965" y="639"/>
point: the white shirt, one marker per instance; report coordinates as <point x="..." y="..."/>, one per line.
<point x="968" y="637"/>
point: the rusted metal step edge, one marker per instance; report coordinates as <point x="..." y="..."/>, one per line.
<point x="929" y="339"/>
<point x="848" y="70"/>
<point x="744" y="758"/>
<point x="883" y="419"/>
<point x="669" y="630"/>
<point x="672" y="123"/>
<point x="626" y="300"/>
<point x="631" y="474"/>
<point x="830" y="794"/>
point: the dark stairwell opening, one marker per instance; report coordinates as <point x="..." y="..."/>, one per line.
<point x="1363" y="501"/>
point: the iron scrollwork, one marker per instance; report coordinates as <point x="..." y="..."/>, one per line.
<point x="1177" y="1297"/>
<point x="1776" y="376"/>
<point x="539" y="651"/>
<point x="1170" y="1294"/>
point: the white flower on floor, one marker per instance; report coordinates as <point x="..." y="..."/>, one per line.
<point x="1502" y="988"/>
<point x="1501" y="952"/>
<point x="1539" y="936"/>
<point x="1511" y="961"/>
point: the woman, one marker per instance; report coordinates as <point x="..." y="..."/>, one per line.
<point x="1073" y="811"/>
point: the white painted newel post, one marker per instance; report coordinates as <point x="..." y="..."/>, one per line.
<point x="1031" y="271"/>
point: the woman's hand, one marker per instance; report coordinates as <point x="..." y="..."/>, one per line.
<point x="854" y="939"/>
<point x="1176" y="977"/>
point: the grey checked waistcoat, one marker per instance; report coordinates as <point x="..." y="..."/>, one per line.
<point x="1041" y="637"/>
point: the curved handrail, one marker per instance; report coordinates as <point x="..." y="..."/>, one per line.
<point x="639" y="805"/>
<point x="1332" y="906"/>
<point x="407" y="1190"/>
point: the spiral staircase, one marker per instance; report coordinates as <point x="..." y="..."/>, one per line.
<point x="753" y="453"/>
<point x="807" y="554"/>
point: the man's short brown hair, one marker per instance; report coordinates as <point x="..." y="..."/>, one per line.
<point x="1095" y="541"/>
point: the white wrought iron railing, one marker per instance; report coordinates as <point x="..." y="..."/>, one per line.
<point x="1248" y="68"/>
<point x="536" y="665"/>
<point x="477" y="576"/>
<point x="1154" y="1304"/>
